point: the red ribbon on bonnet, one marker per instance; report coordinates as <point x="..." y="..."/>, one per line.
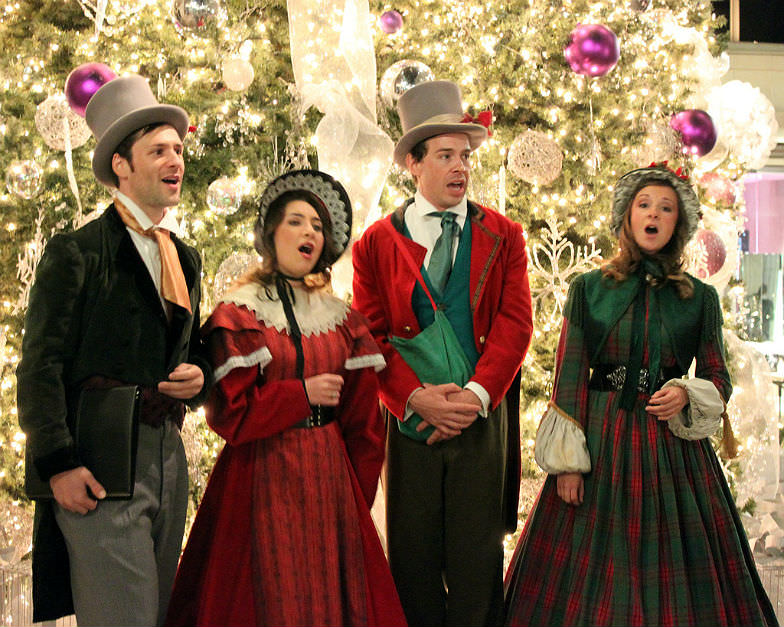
<point x="680" y="172"/>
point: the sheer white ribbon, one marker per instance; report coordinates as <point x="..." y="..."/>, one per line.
<point x="70" y="169"/>
<point x="334" y="66"/>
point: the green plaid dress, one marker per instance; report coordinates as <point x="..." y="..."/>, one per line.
<point x="657" y="539"/>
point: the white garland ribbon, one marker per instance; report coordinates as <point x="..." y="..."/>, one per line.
<point x="100" y="14"/>
<point x="334" y="66"/>
<point x="70" y="169"/>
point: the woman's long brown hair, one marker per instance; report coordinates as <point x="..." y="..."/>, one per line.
<point x="629" y="255"/>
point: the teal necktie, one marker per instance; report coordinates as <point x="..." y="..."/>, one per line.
<point x="440" y="264"/>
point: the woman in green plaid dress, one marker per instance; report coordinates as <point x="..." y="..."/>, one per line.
<point x="635" y="524"/>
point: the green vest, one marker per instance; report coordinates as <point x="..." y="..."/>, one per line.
<point x="455" y="301"/>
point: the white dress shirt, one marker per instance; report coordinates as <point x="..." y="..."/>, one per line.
<point x="147" y="246"/>
<point x="425" y="230"/>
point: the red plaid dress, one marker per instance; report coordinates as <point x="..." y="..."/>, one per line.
<point x="657" y="539"/>
<point x="283" y="535"/>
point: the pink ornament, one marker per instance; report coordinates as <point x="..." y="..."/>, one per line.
<point x="698" y="134"/>
<point x="83" y="82"/>
<point x="718" y="188"/>
<point x="592" y="50"/>
<point x="391" y="21"/>
<point x="716" y="252"/>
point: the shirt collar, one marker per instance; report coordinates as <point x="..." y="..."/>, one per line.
<point x="422" y="206"/>
<point x="168" y="221"/>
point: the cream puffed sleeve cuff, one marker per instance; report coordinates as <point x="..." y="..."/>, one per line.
<point x="560" y="444"/>
<point x="702" y="416"/>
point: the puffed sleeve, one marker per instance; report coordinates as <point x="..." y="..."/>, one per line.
<point x="560" y="439"/>
<point x="243" y="406"/>
<point x="359" y="411"/>
<point x="710" y="390"/>
<point x="702" y="415"/>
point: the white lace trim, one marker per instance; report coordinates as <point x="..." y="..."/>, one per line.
<point x="316" y="311"/>
<point x="375" y="360"/>
<point x="261" y="357"/>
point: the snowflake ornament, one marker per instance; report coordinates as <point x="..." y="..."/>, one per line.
<point x="552" y="263"/>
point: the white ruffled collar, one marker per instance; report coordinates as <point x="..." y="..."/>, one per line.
<point x="316" y="310"/>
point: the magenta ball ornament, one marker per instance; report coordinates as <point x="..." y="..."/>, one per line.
<point x="83" y="82"/>
<point x="593" y="50"/>
<point x="696" y="130"/>
<point x="391" y="22"/>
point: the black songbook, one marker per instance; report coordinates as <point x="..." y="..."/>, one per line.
<point x="106" y="433"/>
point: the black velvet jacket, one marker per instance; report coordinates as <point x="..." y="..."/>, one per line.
<point x="94" y="310"/>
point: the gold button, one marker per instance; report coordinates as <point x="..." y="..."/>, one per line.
<point x="481" y="339"/>
<point x="407" y="329"/>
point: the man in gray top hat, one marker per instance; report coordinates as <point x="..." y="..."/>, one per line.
<point x="115" y="302"/>
<point x="453" y="448"/>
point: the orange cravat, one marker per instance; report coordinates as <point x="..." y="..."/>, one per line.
<point x="173" y="286"/>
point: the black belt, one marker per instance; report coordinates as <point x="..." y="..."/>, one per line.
<point x="610" y="377"/>
<point x="320" y="417"/>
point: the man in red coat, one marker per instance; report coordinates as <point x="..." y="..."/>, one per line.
<point x="453" y="464"/>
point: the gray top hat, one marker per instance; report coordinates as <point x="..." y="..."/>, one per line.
<point x="117" y="109"/>
<point x="430" y="109"/>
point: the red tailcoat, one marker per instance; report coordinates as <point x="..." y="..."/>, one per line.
<point x="500" y="303"/>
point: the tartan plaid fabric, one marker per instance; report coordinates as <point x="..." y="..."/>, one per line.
<point x="657" y="540"/>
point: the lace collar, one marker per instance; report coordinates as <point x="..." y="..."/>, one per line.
<point x="316" y="311"/>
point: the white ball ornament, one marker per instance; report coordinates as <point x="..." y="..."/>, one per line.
<point x="535" y="158"/>
<point x="237" y="74"/>
<point x="50" y="119"/>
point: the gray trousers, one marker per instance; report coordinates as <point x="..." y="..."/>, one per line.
<point x="124" y="554"/>
<point x="445" y="524"/>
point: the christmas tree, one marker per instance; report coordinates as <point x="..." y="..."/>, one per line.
<point x="272" y="85"/>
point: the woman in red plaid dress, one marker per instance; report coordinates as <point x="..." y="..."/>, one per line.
<point x="635" y="524"/>
<point x="283" y="535"/>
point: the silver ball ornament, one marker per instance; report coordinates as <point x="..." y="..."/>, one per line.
<point x="231" y="268"/>
<point x="402" y="76"/>
<point x="24" y="178"/>
<point x="192" y="15"/>
<point x="224" y="196"/>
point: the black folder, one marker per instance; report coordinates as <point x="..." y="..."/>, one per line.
<point x="106" y="433"/>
